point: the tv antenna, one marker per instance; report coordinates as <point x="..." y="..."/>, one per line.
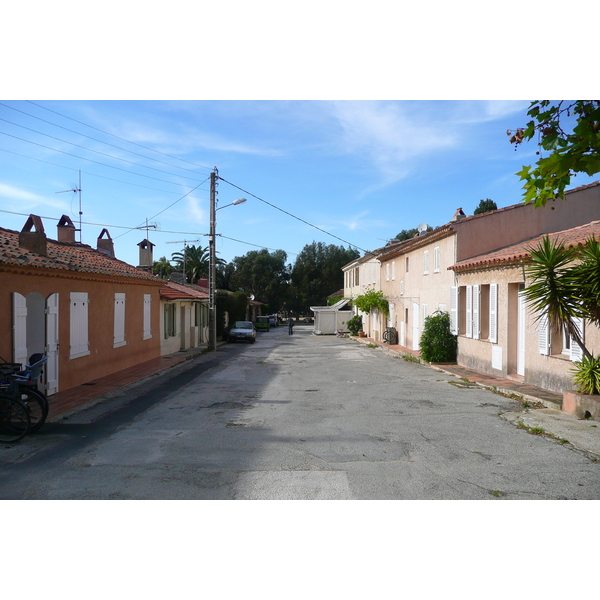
<point x="185" y="243"/>
<point x="422" y="228"/>
<point x="75" y="190"/>
<point x="154" y="225"/>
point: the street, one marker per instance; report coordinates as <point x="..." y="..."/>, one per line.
<point x="295" y="417"/>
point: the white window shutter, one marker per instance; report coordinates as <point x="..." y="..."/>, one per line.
<point x="469" y="315"/>
<point x="576" y="351"/>
<point x="494" y="313"/>
<point x="51" y="368"/>
<point x="476" y="303"/>
<point x="436" y="259"/>
<point x="79" y="324"/>
<point x="402" y="287"/>
<point x="19" y="328"/>
<point x="387" y="271"/>
<point x="454" y="310"/>
<point x="426" y="262"/>
<point x="394" y="271"/>
<point x="147" y="316"/>
<point x="119" y="324"/>
<point x="424" y="313"/>
<point x="543" y="336"/>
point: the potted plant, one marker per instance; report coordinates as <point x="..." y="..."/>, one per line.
<point x="355" y="325"/>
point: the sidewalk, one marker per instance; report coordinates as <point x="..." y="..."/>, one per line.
<point x="550" y="421"/>
<point x="78" y="396"/>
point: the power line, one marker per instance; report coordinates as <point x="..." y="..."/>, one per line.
<point x="256" y="245"/>
<point x="119" y="138"/>
<point x="294" y="216"/>
<point x="90" y="160"/>
<point x="96" y="151"/>
<point x="95" y="139"/>
<point x="87" y="172"/>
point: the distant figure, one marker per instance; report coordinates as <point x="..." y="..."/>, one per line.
<point x="290" y="326"/>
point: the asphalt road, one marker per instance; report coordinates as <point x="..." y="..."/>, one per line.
<point x="295" y="417"/>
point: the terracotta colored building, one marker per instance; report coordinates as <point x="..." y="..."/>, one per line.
<point x="92" y="314"/>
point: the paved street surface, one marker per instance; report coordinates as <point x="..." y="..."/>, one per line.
<point x="296" y="417"/>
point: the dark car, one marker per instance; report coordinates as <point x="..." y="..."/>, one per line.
<point x="243" y="331"/>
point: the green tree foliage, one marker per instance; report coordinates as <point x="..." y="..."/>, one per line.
<point x="263" y="274"/>
<point x="355" y="324"/>
<point x="162" y="267"/>
<point x="196" y="261"/>
<point x="438" y="343"/>
<point x="407" y="234"/>
<point x="567" y="146"/>
<point x="372" y="300"/>
<point x="317" y="272"/>
<point x="485" y="206"/>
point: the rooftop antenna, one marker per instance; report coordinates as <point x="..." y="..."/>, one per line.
<point x="184" y="242"/>
<point x="74" y="190"/>
<point x="422" y="228"/>
<point x="154" y="225"/>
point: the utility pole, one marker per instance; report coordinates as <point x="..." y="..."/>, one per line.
<point x="212" y="271"/>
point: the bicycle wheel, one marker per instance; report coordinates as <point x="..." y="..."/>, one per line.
<point x="37" y="404"/>
<point x="14" y="420"/>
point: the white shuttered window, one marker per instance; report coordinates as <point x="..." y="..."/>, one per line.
<point x="543" y="335"/>
<point x="147" y="316"/>
<point x="80" y="345"/>
<point x="119" y="328"/>
<point x="494" y="313"/>
<point x="454" y="310"/>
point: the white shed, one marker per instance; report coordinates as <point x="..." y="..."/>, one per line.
<point x="330" y="319"/>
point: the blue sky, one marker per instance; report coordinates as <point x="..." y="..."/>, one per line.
<point x="359" y="170"/>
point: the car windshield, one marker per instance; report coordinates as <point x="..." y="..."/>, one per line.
<point x="242" y="325"/>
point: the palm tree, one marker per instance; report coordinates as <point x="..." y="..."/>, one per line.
<point x="558" y="290"/>
<point x="195" y="261"/>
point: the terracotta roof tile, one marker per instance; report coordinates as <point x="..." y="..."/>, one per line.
<point x="176" y="291"/>
<point x="519" y="253"/>
<point x="66" y="256"/>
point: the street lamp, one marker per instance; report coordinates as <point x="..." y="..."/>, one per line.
<point x="212" y="270"/>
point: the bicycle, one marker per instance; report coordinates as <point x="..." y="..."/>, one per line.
<point x="21" y="385"/>
<point x="14" y="419"/>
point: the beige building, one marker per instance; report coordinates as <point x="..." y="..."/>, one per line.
<point x="499" y="334"/>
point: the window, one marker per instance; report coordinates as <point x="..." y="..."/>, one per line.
<point x="426" y="262"/>
<point x="454" y="310"/>
<point x="474" y="311"/>
<point x="394" y="271"/>
<point x="170" y="317"/>
<point x="147" y="316"/>
<point x="80" y="345"/>
<point x="402" y="287"/>
<point x="424" y="314"/>
<point x="119" y="325"/>
<point x="407" y="264"/>
<point x="436" y="259"/>
<point x="387" y="271"/>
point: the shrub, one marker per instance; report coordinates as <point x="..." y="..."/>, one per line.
<point x="354" y="324"/>
<point x="372" y="300"/>
<point x="586" y="375"/>
<point x="438" y="344"/>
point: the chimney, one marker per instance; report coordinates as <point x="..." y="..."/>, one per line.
<point x="105" y="245"/>
<point x="66" y="229"/>
<point x="203" y="282"/>
<point x="34" y="241"/>
<point x="458" y="215"/>
<point x="146" y="259"/>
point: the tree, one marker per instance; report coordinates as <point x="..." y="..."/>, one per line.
<point x="264" y="274"/>
<point x="162" y="267"/>
<point x="317" y="272"/>
<point x="372" y="300"/>
<point x="196" y="261"/>
<point x="573" y="147"/>
<point x="407" y="234"/>
<point x="565" y="288"/>
<point x="438" y="343"/>
<point x="485" y="206"/>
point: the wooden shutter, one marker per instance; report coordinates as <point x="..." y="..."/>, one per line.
<point x="476" y="303"/>
<point x="51" y="368"/>
<point x="19" y="328"/>
<point x="543" y="336"/>
<point x="426" y="262"/>
<point x="494" y="313"/>
<point x="79" y="324"/>
<point x="119" y="324"/>
<point x="469" y="315"/>
<point x="576" y="351"/>
<point x="147" y="316"/>
<point x="454" y="310"/>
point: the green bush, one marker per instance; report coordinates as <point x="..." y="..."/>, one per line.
<point x="438" y="344"/>
<point x="354" y="324"/>
<point x="586" y="374"/>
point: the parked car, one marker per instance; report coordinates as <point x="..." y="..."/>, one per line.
<point x="262" y="324"/>
<point x="273" y="321"/>
<point x="243" y="331"/>
<point x="308" y="320"/>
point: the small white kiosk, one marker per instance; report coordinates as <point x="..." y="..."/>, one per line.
<point x="330" y="319"/>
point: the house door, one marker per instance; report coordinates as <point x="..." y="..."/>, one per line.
<point x="415" y="326"/>
<point x="521" y="333"/>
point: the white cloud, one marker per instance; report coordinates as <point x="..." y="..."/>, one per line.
<point x="29" y="199"/>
